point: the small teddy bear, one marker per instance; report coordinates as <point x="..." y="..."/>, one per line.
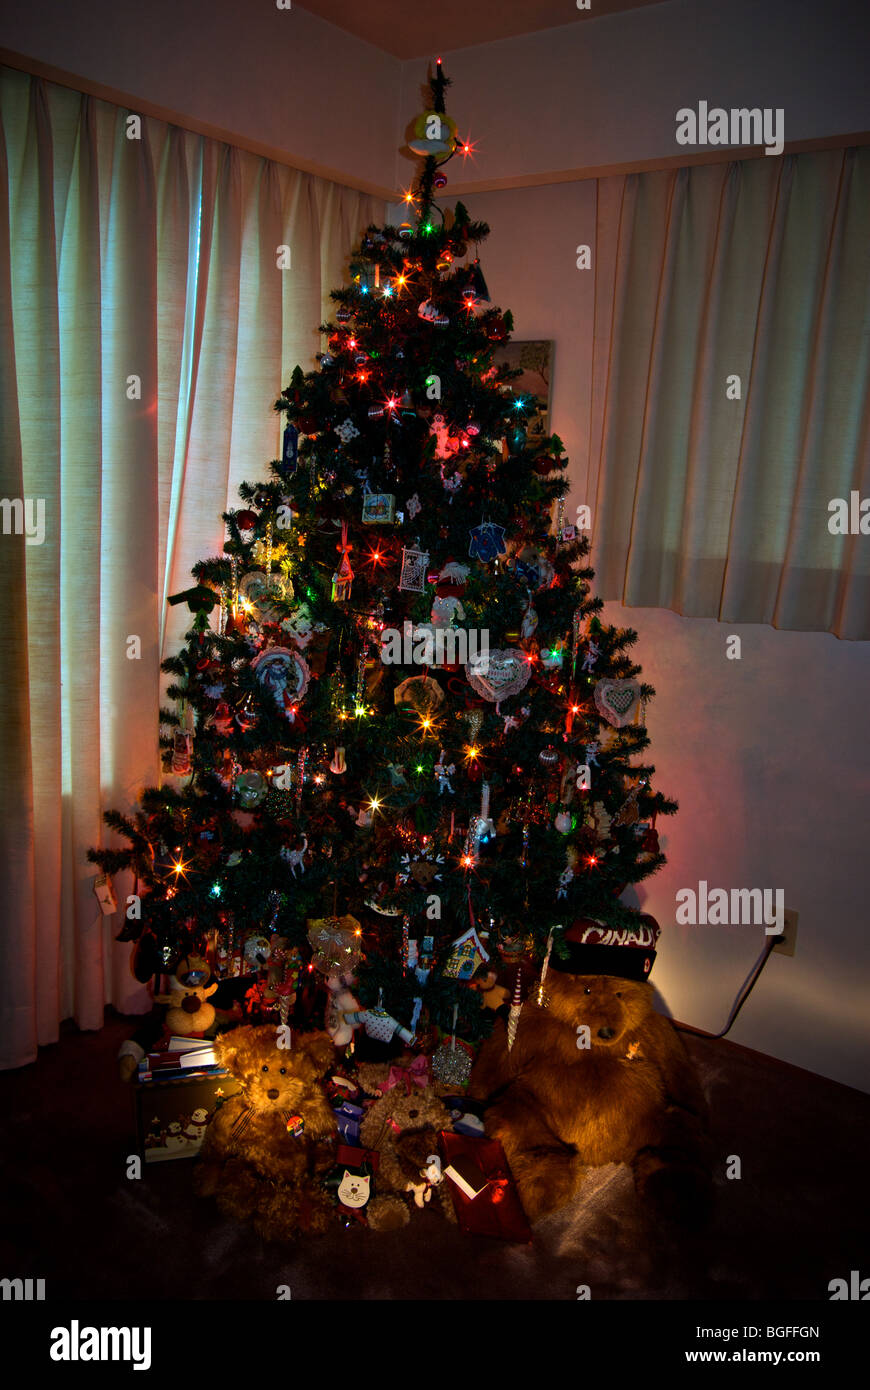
<point x="267" y="1149"/>
<point x="189" y="1011"/>
<point x="403" y="1126"/>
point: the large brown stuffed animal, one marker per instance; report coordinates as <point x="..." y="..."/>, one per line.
<point x="268" y="1148"/>
<point x="597" y="1077"/>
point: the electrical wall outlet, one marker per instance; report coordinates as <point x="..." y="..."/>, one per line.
<point x="789" y="933"/>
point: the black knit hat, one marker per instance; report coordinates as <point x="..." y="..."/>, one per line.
<point x="596" y="949"/>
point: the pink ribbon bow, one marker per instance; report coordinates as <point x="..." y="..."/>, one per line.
<point x="417" y="1072"/>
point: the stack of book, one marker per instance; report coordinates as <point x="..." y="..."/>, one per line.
<point x="188" y="1056"/>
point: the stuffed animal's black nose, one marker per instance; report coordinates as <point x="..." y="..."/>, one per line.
<point x="272" y="1093"/>
<point x="605" y="1033"/>
<point x="412" y="1114"/>
<point x="190" y="1004"/>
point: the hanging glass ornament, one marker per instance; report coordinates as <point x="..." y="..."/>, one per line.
<point x="251" y="788"/>
<point x="542" y="994"/>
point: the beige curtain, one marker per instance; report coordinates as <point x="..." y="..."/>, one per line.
<point x="145" y="332"/>
<point x="714" y="507"/>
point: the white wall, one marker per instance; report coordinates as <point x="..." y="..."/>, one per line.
<point x="282" y="79"/>
<point x="768" y="755"/>
<point x="768" y="759"/>
<point x="606" y="92"/>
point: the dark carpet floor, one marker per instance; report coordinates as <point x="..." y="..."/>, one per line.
<point x="794" y="1220"/>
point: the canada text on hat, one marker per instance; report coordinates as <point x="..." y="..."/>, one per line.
<point x="596" y="949"/>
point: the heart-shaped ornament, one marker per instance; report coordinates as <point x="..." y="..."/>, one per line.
<point x="617" y="701"/>
<point x="498" y="674"/>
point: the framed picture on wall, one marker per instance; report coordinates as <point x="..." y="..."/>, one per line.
<point x="535" y="362"/>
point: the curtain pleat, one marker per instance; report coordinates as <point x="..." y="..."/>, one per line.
<point x="81" y="350"/>
<point x="37" y="372"/>
<point x="18" y="1035"/>
<point x="145" y="332"/>
<point x="730" y="395"/>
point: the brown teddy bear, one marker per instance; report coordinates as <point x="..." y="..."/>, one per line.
<point x="596" y="1076"/>
<point x="268" y="1148"/>
<point x="403" y="1126"/>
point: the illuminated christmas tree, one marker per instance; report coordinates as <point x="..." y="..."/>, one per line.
<point x="404" y="742"/>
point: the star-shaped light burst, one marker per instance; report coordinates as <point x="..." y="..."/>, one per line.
<point x="375" y="555"/>
<point x="466" y="147"/>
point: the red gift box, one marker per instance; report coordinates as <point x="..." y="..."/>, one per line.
<point x="350" y="1157"/>
<point x="496" y="1211"/>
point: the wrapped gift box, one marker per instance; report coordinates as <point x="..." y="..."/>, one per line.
<point x="351" y="1156"/>
<point x="173" y="1113"/>
<point x="496" y="1210"/>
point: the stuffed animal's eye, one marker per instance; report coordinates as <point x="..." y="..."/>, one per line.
<point x="265" y="1068"/>
<point x="619" y="994"/>
<point x="283" y="1071"/>
<point x="587" y="990"/>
